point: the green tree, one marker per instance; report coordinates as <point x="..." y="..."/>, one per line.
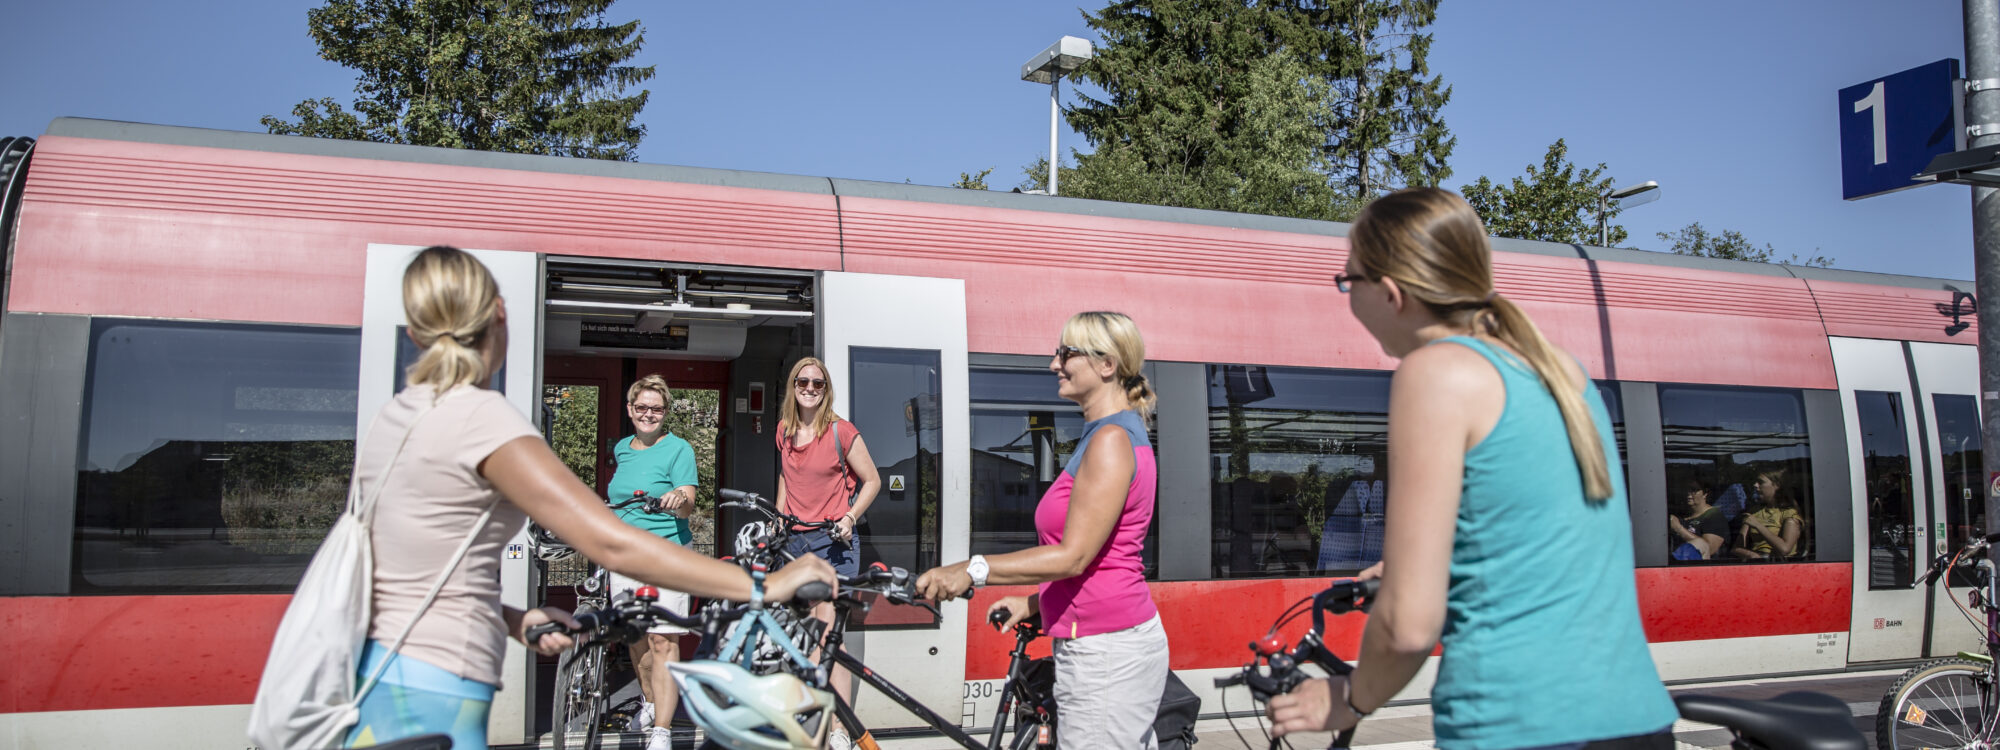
<point x="1387" y="130"/>
<point x="1199" y="113"/>
<point x="971" y="181"/>
<point x="1693" y="239"/>
<point x="523" y="76"/>
<point x="1558" y="202"/>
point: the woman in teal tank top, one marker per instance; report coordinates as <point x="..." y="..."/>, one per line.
<point x="1506" y="532"/>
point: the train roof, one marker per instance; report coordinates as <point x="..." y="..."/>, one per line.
<point x="76" y="127"/>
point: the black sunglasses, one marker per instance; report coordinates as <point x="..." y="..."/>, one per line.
<point x="1345" y="281"/>
<point x="810" y="384"/>
<point x="1065" y="351"/>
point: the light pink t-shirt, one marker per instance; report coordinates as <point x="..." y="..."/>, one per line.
<point x="433" y="496"/>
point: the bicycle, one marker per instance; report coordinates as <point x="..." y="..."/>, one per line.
<point x="580" y="705"/>
<point x="1793" y="721"/>
<point x="1950" y="701"/>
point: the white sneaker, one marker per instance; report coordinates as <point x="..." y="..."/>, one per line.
<point x="836" y="739"/>
<point x="659" y="738"/>
<point x="643" y="721"/>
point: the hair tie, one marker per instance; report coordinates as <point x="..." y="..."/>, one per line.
<point x="1135" y="381"/>
<point x="1490" y="296"/>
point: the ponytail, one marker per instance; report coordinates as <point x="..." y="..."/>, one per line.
<point x="1506" y="322"/>
<point x="1140" y="393"/>
<point x="450" y="302"/>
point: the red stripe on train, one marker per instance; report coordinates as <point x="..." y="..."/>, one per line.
<point x="1211" y="623"/>
<point x="79" y="653"/>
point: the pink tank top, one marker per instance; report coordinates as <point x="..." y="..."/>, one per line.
<point x="1111" y="594"/>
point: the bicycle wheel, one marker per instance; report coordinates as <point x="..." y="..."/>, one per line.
<point x="1940" y="703"/>
<point x="579" y="699"/>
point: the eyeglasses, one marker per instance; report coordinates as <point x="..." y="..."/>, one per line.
<point x="653" y="410"/>
<point x="1065" y="351"/>
<point x="1345" y="281"/>
<point x="810" y="384"/>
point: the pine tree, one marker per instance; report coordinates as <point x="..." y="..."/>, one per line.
<point x="524" y="76"/>
<point x="1386" y="131"/>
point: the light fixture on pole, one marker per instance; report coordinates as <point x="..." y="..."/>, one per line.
<point x="1060" y="59"/>
<point x="1973" y="166"/>
<point x="1626" y="197"/>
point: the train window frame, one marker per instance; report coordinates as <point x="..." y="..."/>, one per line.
<point x="1735" y="486"/>
<point x="265" y="562"/>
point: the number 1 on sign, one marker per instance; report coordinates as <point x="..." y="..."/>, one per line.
<point x="1873" y="101"/>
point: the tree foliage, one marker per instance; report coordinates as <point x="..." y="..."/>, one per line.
<point x="1557" y="202"/>
<point x="1387" y="130"/>
<point x="971" y="181"/>
<point x="523" y="76"/>
<point x="1694" y="239"/>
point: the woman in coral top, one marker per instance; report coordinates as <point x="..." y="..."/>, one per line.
<point x="1110" y="651"/>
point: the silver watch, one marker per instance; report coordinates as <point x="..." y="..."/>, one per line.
<point x="976" y="567"/>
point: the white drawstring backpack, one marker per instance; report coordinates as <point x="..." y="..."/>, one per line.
<point x="307" y="699"/>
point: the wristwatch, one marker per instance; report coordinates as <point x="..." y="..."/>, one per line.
<point x="976" y="567"/>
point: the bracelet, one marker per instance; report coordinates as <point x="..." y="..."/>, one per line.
<point x="1358" y="713"/>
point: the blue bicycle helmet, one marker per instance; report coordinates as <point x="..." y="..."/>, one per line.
<point x="742" y="711"/>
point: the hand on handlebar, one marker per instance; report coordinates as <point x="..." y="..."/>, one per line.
<point x="549" y="644"/>
<point x="945" y="582"/>
<point x="1370" y="573"/>
<point x="1311" y="707"/>
<point x="781" y="585"/>
<point x="1017" y="608"/>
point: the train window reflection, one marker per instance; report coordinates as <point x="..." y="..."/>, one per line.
<point x="1959" y="444"/>
<point x="215" y="457"/>
<point x="1885" y="463"/>
<point x="1749" y="445"/>
<point x="1297" y="462"/>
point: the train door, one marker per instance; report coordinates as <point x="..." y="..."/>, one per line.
<point x="1947" y="384"/>
<point x="386" y="351"/>
<point x="1888" y="619"/>
<point x="897" y="347"/>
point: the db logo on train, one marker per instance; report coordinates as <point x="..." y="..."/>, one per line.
<point x="1881" y="623"/>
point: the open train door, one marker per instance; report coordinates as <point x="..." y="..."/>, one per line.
<point x="386" y="352"/>
<point x="896" y="349"/>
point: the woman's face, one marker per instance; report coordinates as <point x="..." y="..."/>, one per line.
<point x="648" y="412"/>
<point x="1369" y="301"/>
<point x="1697" y="498"/>
<point x="809" y="387"/>
<point x="1767" y="489"/>
<point x="1077" y="374"/>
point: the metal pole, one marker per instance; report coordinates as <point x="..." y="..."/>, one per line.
<point x="1603" y="203"/>
<point x="1982" y="62"/>
<point x="1054" y="111"/>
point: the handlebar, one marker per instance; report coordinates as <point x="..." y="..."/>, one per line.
<point x="626" y="617"/>
<point x="1944" y="559"/>
<point x="753" y="501"/>
<point x="654" y="505"/>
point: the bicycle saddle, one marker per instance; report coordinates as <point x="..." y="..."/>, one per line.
<point x="419" y="742"/>
<point x="1793" y="721"/>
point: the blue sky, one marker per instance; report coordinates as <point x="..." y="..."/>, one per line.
<point x="1729" y="105"/>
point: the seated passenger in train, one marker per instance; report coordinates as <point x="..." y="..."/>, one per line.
<point x="1776" y="529"/>
<point x="1698" y="532"/>
<point x="1351" y="538"/>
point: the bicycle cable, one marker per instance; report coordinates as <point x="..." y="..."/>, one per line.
<point x="1284" y="618"/>
<point x="1977" y="627"/>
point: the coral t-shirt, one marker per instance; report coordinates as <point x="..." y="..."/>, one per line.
<point x="817" y="488"/>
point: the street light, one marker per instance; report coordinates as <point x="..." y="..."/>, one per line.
<point x="1973" y="166"/>
<point x="1060" y="59"/>
<point x="1649" y="188"/>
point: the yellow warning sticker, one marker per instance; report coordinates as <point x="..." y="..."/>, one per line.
<point x="895" y="483"/>
<point x="1915" y="715"/>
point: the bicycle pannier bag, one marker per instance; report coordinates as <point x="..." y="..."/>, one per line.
<point x="1173" y="726"/>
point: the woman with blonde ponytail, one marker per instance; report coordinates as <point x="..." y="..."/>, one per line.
<point x="448" y="462"/>
<point x="1506" y="533"/>
<point x="1110" y="651"/>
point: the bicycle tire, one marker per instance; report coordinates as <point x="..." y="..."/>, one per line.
<point x="1945" y="702"/>
<point x="578" y="712"/>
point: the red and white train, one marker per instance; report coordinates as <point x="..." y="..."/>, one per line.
<point x="196" y="322"/>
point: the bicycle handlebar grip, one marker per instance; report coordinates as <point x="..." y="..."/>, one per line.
<point x="535" y="633"/>
<point x="813" y="591"/>
<point x="735" y="495"/>
<point x="1230" y="681"/>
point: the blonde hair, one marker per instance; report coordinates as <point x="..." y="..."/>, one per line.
<point x="1432" y="243"/>
<point x="788" y="414"/>
<point x="652" y="382"/>
<point x="1103" y="334"/>
<point x="450" y="301"/>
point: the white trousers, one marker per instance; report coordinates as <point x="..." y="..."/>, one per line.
<point x="1108" y="687"/>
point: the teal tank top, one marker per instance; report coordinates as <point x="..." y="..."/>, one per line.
<point x="1542" y="639"/>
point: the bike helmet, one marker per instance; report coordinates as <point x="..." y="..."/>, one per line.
<point x="748" y="536"/>
<point x="742" y="711"/>
<point x="547" y="547"/>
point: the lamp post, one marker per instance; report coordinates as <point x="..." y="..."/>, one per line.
<point x="1649" y="188"/>
<point x="1060" y="59"/>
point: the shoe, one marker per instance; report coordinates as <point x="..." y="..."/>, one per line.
<point x="836" y="740"/>
<point x="643" y="720"/>
<point x="659" y="738"/>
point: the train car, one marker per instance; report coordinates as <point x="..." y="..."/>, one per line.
<point x="197" y="323"/>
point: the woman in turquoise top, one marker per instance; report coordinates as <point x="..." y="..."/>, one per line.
<point x="1507" y="535"/>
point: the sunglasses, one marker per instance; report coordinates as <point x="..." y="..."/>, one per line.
<point x="1345" y="281"/>
<point x="1064" y="352"/>
<point x="654" y="410"/>
<point x="810" y="384"/>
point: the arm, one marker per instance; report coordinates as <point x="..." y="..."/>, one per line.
<point x="1096" y="501"/>
<point x="1787" y="541"/>
<point x="863" y="466"/>
<point x="531" y="476"/>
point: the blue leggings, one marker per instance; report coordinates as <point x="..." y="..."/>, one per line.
<point x="416" y="698"/>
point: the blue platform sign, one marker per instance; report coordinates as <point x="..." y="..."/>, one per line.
<point x="1891" y="128"/>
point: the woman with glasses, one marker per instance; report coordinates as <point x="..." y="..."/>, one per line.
<point x="657" y="463"/>
<point x="824" y="473"/>
<point x="1110" y="651"/>
<point x="1499" y="463"/>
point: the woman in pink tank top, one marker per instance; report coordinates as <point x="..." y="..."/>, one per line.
<point x="1110" y="651"/>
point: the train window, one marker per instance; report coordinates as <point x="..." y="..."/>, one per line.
<point x="1614" y="404"/>
<point x="1022" y="436"/>
<point x="1885" y="463"/>
<point x="1959" y="444"/>
<point x="895" y="399"/>
<point x="214" y="456"/>
<point x="1747" y="448"/>
<point x="1297" y="459"/>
